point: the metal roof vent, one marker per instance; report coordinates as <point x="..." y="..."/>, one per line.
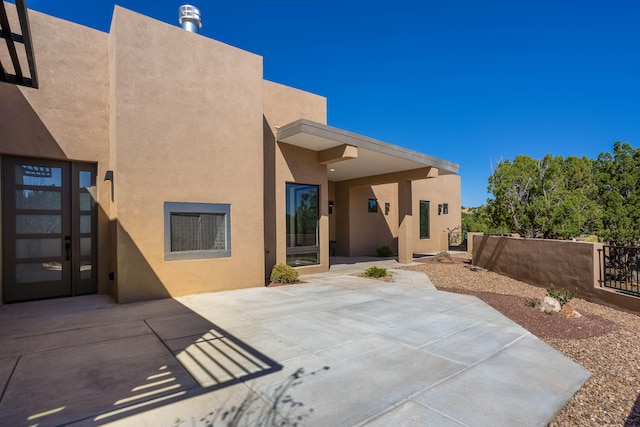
<point x="189" y="17"/>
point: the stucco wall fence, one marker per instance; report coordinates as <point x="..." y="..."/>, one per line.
<point x="539" y="262"/>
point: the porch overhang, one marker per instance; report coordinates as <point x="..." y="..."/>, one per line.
<point x="370" y="157"/>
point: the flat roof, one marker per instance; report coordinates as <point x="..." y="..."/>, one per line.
<point x="375" y="157"/>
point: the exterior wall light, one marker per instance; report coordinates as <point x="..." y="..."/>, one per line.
<point x="109" y="177"/>
<point x="330" y="207"/>
<point x="387" y="208"/>
<point x="439" y="209"/>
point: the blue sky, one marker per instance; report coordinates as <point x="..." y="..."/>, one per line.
<point x="469" y="81"/>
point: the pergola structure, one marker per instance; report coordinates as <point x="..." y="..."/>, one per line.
<point x="20" y="59"/>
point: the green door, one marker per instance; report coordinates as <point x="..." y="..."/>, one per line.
<point x="48" y="233"/>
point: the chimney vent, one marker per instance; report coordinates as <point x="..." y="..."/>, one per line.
<point x="189" y="17"/>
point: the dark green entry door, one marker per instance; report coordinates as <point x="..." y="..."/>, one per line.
<point x="48" y="233"/>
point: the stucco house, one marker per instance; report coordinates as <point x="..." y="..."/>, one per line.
<point x="151" y="161"/>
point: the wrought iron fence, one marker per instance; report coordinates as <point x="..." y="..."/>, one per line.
<point x="457" y="241"/>
<point x="620" y="268"/>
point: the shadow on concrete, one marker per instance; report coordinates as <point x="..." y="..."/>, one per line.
<point x="88" y="360"/>
<point x="350" y="260"/>
<point x="252" y="411"/>
<point x="634" y="416"/>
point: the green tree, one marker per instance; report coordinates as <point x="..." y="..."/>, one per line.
<point x="617" y="177"/>
<point x="552" y="197"/>
<point x="479" y="220"/>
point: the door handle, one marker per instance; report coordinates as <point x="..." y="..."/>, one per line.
<point x="67" y="247"/>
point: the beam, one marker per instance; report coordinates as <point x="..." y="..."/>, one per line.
<point x="337" y="154"/>
<point x="26" y="36"/>
<point x="3" y="74"/>
<point x="11" y="46"/>
<point x="388" y="178"/>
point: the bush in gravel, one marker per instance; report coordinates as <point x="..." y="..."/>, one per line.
<point x="444" y="257"/>
<point x="282" y="273"/>
<point x="375" y="272"/>
<point x="562" y="295"/>
<point x="384" y="251"/>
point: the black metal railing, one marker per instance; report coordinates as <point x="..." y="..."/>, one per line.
<point x="620" y="268"/>
<point x="457" y="241"/>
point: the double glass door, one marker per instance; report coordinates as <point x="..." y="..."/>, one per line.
<point x="48" y="234"/>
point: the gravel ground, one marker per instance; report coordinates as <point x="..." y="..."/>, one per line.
<point x="604" y="340"/>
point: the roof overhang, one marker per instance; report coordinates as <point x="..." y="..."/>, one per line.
<point x="20" y="60"/>
<point x="372" y="157"/>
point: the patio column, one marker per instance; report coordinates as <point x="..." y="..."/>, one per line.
<point x="341" y="211"/>
<point x="405" y="229"/>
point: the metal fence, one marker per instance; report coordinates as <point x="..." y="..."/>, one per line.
<point x="620" y="268"/>
<point x="457" y="241"/>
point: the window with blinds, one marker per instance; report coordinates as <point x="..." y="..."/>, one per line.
<point x="197" y="231"/>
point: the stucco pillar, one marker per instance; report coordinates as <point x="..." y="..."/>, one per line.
<point x="341" y="212"/>
<point x="405" y="229"/>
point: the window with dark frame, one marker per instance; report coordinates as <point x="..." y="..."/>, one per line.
<point x="445" y="208"/>
<point x="302" y="217"/>
<point x="197" y="231"/>
<point x="373" y="205"/>
<point x="424" y="219"/>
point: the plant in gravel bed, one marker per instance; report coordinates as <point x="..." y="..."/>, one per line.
<point x="444" y="257"/>
<point x="531" y="302"/>
<point x="562" y="295"/>
<point x="375" y="272"/>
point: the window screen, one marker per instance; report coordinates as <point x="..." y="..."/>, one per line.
<point x="197" y="231"/>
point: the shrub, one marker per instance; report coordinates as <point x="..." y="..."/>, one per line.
<point x="531" y="303"/>
<point x="282" y="273"/>
<point x="562" y="295"/>
<point x="375" y="272"/>
<point x="444" y="257"/>
<point x="384" y="251"/>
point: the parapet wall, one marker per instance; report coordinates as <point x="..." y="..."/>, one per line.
<point x="539" y="262"/>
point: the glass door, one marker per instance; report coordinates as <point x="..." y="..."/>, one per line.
<point x="46" y="236"/>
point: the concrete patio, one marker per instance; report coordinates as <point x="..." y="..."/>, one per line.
<point x="337" y="350"/>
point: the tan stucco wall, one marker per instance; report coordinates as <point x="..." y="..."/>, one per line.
<point x="332" y="216"/>
<point x="299" y="165"/>
<point x="66" y="118"/>
<point x="565" y="264"/>
<point x="359" y="233"/>
<point x="285" y="163"/>
<point x="440" y="190"/>
<point x="188" y="128"/>
<point x="179" y="118"/>
<point x="371" y="230"/>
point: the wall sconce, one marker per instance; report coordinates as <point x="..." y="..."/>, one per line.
<point x="108" y="176"/>
<point x="439" y="209"/>
<point x="387" y="207"/>
<point x="330" y="207"/>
